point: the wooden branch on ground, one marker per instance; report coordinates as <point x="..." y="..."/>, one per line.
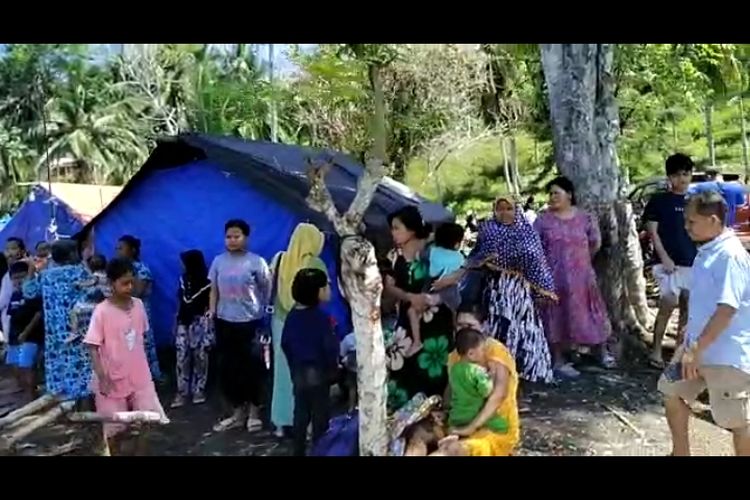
<point x="622" y="418"/>
<point x="56" y="451"/>
<point x="123" y="417"/>
<point x="8" y="440"/>
<point x="29" y="409"/>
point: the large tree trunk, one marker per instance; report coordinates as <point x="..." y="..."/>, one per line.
<point x="585" y="125"/>
<point x="361" y="281"/>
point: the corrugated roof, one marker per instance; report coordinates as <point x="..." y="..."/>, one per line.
<point x="85" y="200"/>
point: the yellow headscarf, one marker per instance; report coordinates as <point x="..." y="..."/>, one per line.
<point x="304" y="251"/>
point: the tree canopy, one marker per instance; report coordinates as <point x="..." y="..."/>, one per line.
<point x="462" y="122"/>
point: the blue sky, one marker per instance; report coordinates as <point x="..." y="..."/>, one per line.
<point x="281" y="59"/>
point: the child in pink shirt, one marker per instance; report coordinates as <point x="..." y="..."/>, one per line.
<point x="122" y="379"/>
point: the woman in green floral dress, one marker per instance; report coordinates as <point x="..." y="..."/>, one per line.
<point x="426" y="370"/>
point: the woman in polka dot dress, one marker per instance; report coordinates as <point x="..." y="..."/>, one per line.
<point x="520" y="279"/>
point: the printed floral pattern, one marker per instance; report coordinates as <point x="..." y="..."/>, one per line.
<point x="434" y="356"/>
<point x="397" y="397"/>
<point x="429" y="314"/>
<point x="425" y="372"/>
<point x="396" y="349"/>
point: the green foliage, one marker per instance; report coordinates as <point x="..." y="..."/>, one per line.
<point x="446" y="108"/>
<point x="470" y="179"/>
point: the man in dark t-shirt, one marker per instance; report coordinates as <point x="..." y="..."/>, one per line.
<point x="665" y="218"/>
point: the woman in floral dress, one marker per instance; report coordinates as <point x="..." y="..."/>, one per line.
<point x="67" y="367"/>
<point x="129" y="247"/>
<point x="571" y="238"/>
<point x="426" y="370"/>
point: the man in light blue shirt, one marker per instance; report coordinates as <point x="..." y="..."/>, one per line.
<point x="716" y="351"/>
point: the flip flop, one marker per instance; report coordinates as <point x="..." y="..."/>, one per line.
<point x="656" y="364"/>
<point x="229" y="423"/>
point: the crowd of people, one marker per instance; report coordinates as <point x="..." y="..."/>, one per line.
<point x="462" y="332"/>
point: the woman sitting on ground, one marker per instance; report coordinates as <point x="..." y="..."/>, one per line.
<point x="420" y="429"/>
<point x="481" y="437"/>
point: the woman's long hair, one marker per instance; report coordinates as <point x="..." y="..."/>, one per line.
<point x="196" y="273"/>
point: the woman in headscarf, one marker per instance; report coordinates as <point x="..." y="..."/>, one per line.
<point x="194" y="335"/>
<point x="305" y="247"/>
<point x="67" y="367"/>
<point x="520" y="278"/>
<point x="129" y="247"/>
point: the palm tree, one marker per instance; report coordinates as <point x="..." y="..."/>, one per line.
<point x="103" y="137"/>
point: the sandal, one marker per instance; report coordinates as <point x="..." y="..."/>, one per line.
<point x="254" y="424"/>
<point x="178" y="402"/>
<point x="229" y="423"/>
<point x="609" y="362"/>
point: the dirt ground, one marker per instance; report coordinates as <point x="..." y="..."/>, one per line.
<point x="603" y="413"/>
<point x="612" y="413"/>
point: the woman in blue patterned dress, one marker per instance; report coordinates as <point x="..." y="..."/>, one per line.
<point x="520" y="278"/>
<point x="129" y="247"/>
<point x="67" y="365"/>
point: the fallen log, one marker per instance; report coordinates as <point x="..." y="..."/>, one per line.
<point x="8" y="440"/>
<point x="29" y="409"/>
<point x="123" y="417"/>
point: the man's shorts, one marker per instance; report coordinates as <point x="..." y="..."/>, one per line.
<point x="27" y="355"/>
<point x="728" y="392"/>
<point x="673" y="284"/>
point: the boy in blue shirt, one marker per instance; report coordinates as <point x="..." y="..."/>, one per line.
<point x="310" y="346"/>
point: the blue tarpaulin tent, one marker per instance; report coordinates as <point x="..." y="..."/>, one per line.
<point x="56" y="210"/>
<point x="192" y="184"/>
